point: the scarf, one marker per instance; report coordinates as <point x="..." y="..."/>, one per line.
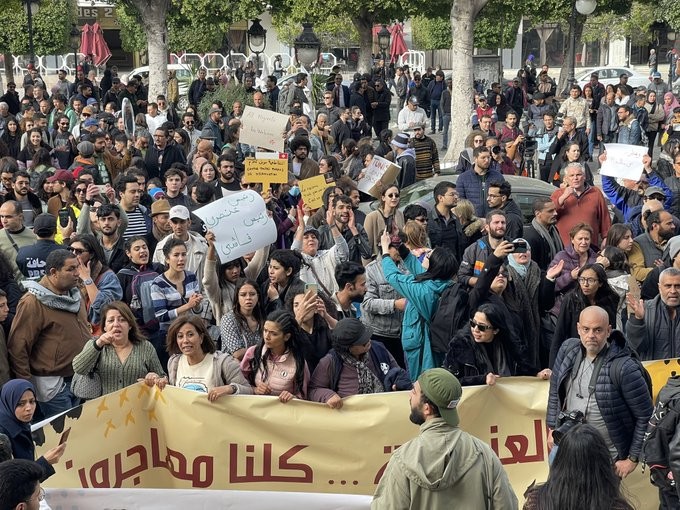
<point x="668" y="108"/>
<point x="64" y="302"/>
<point x="521" y="298"/>
<point x="368" y="381"/>
<point x="520" y="269"/>
<point x="551" y="236"/>
<point x="9" y="398"/>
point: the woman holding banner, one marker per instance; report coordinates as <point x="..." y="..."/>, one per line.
<point x="276" y="366"/>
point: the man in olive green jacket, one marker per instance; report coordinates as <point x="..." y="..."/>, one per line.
<point x="443" y="464"/>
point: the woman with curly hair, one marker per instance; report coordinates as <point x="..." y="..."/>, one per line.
<point x="276" y="365"/>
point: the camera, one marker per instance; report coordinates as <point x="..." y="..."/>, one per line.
<point x="559" y="120"/>
<point x="519" y="246"/>
<point x="566" y="421"/>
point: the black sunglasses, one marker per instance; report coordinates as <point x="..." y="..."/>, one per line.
<point x="480" y="327"/>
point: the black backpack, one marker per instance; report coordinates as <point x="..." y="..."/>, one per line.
<point x="655" y="447"/>
<point x="451" y="314"/>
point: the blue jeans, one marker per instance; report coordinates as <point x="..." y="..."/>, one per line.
<point x="434" y="111"/>
<point x="447" y="123"/>
<point x="62" y="401"/>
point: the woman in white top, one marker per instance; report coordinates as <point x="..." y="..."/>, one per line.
<point x="195" y="364"/>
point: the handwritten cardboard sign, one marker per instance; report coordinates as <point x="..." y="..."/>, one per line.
<point x="267" y="170"/>
<point x="381" y="170"/>
<point x="263" y="128"/>
<point x="312" y="190"/>
<point x="623" y="161"/>
<point x="240" y="223"/>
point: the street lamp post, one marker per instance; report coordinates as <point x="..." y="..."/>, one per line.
<point x="257" y="40"/>
<point x="307" y="46"/>
<point x="384" y="40"/>
<point x="585" y="7"/>
<point x="31" y="9"/>
<point x="74" y="39"/>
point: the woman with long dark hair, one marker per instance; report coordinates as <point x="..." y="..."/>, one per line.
<point x="487" y="349"/>
<point x="387" y="215"/>
<point x="284" y="270"/>
<point x="12" y="138"/>
<point x="592" y="289"/>
<point x="241" y="327"/>
<point x="99" y="285"/>
<point x="276" y="365"/>
<point x="581" y="477"/>
<point x="33" y="143"/>
<point x="44" y="189"/>
<point x="422" y="290"/>
<point x="571" y="154"/>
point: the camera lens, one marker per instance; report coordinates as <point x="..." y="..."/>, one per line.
<point x="496" y="149"/>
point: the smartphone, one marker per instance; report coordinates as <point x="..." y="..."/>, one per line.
<point x="63" y="217"/>
<point x="314" y="287"/>
<point x="102" y="188"/>
<point x="519" y="247"/>
<point x="64" y="436"/>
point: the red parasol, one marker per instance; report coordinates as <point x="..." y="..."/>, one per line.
<point x="101" y="53"/>
<point x="398" y="44"/>
<point x="87" y="41"/>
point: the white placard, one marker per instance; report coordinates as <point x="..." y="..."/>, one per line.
<point x="379" y="169"/>
<point x="240" y="223"/>
<point x="263" y="128"/>
<point x="624" y="161"/>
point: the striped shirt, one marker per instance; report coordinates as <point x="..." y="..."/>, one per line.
<point x="136" y="223"/>
<point x="427" y="157"/>
<point x="166" y="298"/>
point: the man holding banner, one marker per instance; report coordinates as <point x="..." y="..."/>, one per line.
<point x="444" y="466"/>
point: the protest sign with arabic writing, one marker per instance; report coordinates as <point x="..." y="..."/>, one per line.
<point x="312" y="190"/>
<point x="624" y="161"/>
<point x="378" y="173"/>
<point x="267" y="170"/>
<point x="240" y="223"/>
<point x="263" y="128"/>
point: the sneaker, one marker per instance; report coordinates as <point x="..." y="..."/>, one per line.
<point x="432" y="132"/>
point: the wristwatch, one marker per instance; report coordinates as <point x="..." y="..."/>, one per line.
<point x="234" y="389"/>
<point x="633" y="458"/>
<point x="89" y="281"/>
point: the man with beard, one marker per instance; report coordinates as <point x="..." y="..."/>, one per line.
<point x="474" y="185"/>
<point x="426" y="472"/>
<point x="542" y="235"/>
<point x="130" y="192"/>
<point x="300" y="164"/>
<point x="13" y="234"/>
<point x="500" y="197"/>
<point x="111" y="240"/>
<point x="354" y="233"/>
<point x="161" y="155"/>
<point x="64" y="142"/>
<point x="476" y="254"/>
<point x="28" y="201"/>
<point x="648" y="248"/>
<point x="226" y="181"/>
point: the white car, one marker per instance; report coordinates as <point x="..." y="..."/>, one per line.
<point x="184" y="77"/>
<point x="610" y="76"/>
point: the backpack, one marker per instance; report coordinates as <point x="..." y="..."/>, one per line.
<point x="141" y="303"/>
<point x="655" y="447"/>
<point x="286" y="98"/>
<point x="451" y="314"/>
<point x="616" y="371"/>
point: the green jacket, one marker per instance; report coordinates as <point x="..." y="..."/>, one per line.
<point x="444" y="465"/>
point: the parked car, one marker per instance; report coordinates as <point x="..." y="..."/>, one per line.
<point x="610" y="76"/>
<point x="524" y="191"/>
<point x="184" y="77"/>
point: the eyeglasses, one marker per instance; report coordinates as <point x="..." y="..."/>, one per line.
<point x="588" y="281"/>
<point x="480" y="327"/>
<point x="660" y="198"/>
<point x="78" y="251"/>
<point x="393" y="195"/>
<point x="81" y="190"/>
<point x="85" y="114"/>
<point x="249" y="185"/>
<point x="478" y="140"/>
<point x="63" y="123"/>
<point x="493" y="195"/>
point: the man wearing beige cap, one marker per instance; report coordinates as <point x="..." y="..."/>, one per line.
<point x="160" y="216"/>
<point x="444" y="466"/>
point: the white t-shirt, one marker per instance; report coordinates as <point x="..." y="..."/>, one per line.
<point x="195" y="377"/>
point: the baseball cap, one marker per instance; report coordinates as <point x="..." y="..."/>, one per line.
<point x="673" y="247"/>
<point x="61" y="175"/>
<point x="90" y="123"/>
<point x="160" y="207"/>
<point x="400" y="140"/>
<point x="179" y="212"/>
<point x="349" y="332"/>
<point x="86" y="149"/>
<point x="413" y="100"/>
<point x="443" y="389"/>
<point x="654" y="190"/>
<point x="44" y="225"/>
<point x="311" y="230"/>
<point x="91" y="100"/>
<point x="214" y="110"/>
<point x="656" y="75"/>
<point x="89" y="110"/>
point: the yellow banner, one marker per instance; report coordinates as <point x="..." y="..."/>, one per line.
<point x="144" y="438"/>
<point x="266" y="170"/>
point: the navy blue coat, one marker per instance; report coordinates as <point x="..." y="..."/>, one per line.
<point x="625" y="410"/>
<point x="475" y="187"/>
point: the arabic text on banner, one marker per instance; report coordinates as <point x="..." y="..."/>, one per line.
<point x="312" y="190"/>
<point x="240" y="223"/>
<point x="266" y="170"/>
<point x="623" y="161"/>
<point x="137" y="438"/>
<point x="263" y="128"/>
<point x="379" y="170"/>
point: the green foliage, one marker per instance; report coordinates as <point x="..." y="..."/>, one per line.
<point x="318" y="87"/>
<point x="333" y="31"/>
<point x="228" y="95"/>
<point x="431" y="33"/>
<point x="51" y="27"/>
<point x="132" y="34"/>
<point x="609" y="26"/>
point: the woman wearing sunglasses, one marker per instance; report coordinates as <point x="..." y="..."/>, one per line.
<point x="386" y="216"/>
<point x="484" y="350"/>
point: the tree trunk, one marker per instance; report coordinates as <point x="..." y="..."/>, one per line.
<point x="463" y="15"/>
<point x="364" y="25"/>
<point x="604" y="43"/>
<point x="154" y="15"/>
<point x="568" y="59"/>
<point x="9" y="67"/>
